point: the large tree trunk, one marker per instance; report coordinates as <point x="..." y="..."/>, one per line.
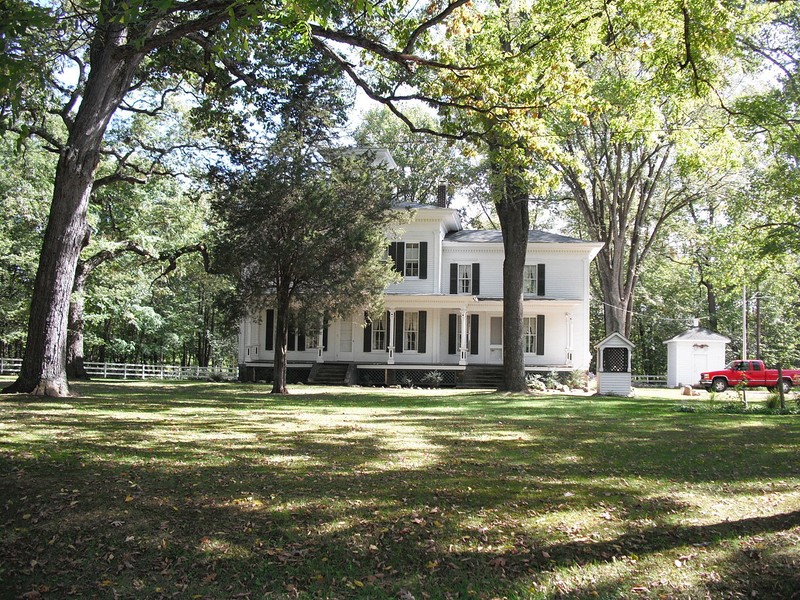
<point x="75" y="324"/>
<point x="617" y="293"/>
<point x="282" y="304"/>
<point x="75" y="360"/>
<point x="44" y="365"/>
<point x="711" y="302"/>
<point x="513" y="212"/>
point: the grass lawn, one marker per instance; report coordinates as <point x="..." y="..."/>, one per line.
<point x="200" y="490"/>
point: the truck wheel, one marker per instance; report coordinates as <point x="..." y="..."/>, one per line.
<point x="786" y="385"/>
<point x="719" y="385"/>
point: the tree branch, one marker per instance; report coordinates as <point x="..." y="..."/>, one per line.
<point x="432" y="22"/>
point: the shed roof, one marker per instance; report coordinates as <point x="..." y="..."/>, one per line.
<point x="698" y="334"/>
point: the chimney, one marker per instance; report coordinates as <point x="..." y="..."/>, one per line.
<point x="441" y="196"/>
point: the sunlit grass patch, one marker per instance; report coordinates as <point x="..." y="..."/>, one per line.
<point x="143" y="489"/>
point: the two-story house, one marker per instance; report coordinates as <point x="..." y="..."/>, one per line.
<point x="446" y="313"/>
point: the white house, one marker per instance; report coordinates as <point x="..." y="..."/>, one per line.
<point x="446" y="314"/>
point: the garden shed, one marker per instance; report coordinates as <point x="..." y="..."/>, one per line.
<point x="690" y="353"/>
<point x="614" y="366"/>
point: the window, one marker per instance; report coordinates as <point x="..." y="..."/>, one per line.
<point x="379" y="334"/>
<point x="297" y="340"/>
<point x="411" y="332"/>
<point x="529" y="329"/>
<point x="533" y="280"/>
<point x="529" y="281"/>
<point x="464" y="279"/>
<point x="312" y="340"/>
<point x="412" y="260"/>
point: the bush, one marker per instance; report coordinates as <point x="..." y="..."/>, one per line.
<point x="535" y="383"/>
<point x="552" y="381"/>
<point x="774" y="401"/>
<point x="578" y="379"/>
<point x="432" y="379"/>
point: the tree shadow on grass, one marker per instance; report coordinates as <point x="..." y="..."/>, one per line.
<point x="332" y="503"/>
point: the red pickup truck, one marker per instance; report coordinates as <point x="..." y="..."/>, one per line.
<point x="752" y="372"/>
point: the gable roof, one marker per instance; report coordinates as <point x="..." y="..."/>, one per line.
<point x="698" y="334"/>
<point x="616" y="339"/>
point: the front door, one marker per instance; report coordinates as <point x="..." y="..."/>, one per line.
<point x="496" y="340"/>
<point x="344" y="349"/>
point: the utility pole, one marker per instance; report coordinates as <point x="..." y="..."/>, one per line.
<point x="758" y="325"/>
<point x="744" y="323"/>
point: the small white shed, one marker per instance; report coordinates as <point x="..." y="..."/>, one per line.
<point x="692" y="352"/>
<point x="614" y="366"/>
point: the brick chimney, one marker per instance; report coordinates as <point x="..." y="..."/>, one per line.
<point x="441" y="196"/>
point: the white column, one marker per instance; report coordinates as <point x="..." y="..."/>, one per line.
<point x="568" y="350"/>
<point x="391" y="336"/>
<point x="462" y="355"/>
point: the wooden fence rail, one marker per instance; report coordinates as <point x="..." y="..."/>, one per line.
<point x="649" y="380"/>
<point x="136" y="371"/>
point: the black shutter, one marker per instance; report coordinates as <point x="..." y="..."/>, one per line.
<point x="422" y="346"/>
<point x="540" y="334"/>
<point x="393" y="254"/>
<point x="301" y="342"/>
<point x="451" y="334"/>
<point x="453" y="278"/>
<point x="540" y="280"/>
<point x="423" y="260"/>
<point x="400" y="258"/>
<point x="290" y="343"/>
<point x="368" y="338"/>
<point x="325" y="335"/>
<point x="476" y="279"/>
<point x="473" y="342"/>
<point x="398" y="331"/>
<point x="269" y="343"/>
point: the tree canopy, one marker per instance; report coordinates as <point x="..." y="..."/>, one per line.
<point x="498" y="74"/>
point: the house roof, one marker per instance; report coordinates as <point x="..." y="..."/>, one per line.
<point x="698" y="334"/>
<point x="494" y="236"/>
<point x="418" y="206"/>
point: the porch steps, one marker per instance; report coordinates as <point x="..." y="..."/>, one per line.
<point x="329" y="373"/>
<point x="482" y="376"/>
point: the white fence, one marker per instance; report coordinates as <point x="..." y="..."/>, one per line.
<point x="649" y="380"/>
<point x="132" y="371"/>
